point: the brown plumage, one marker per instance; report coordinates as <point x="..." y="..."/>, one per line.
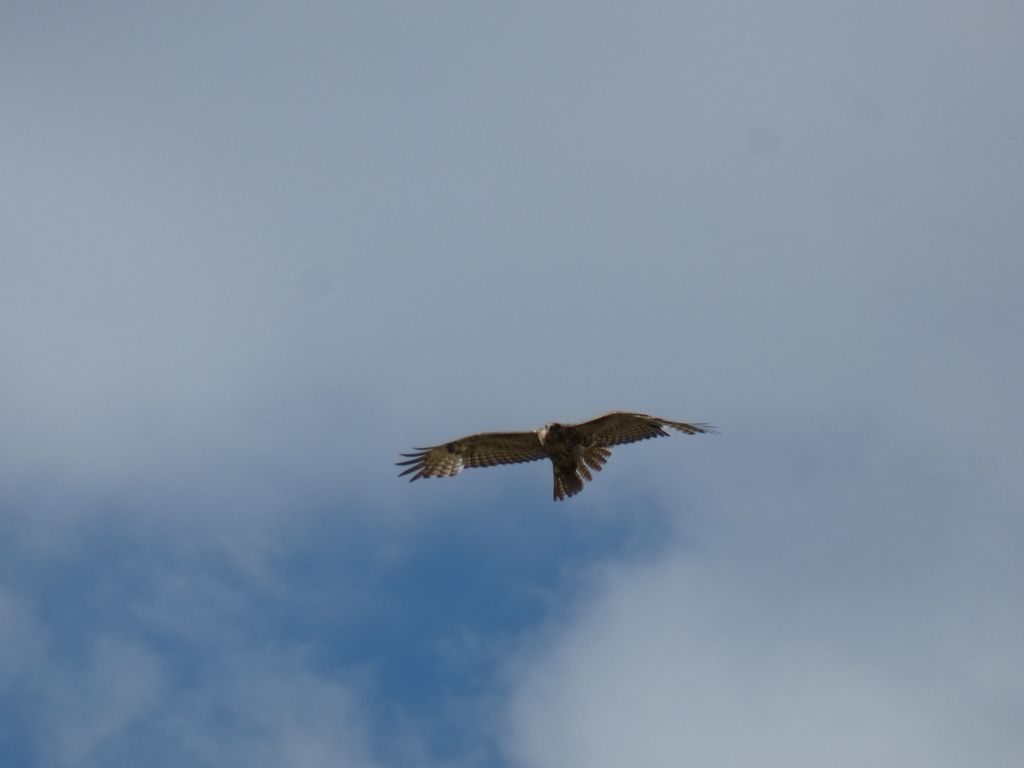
<point x="574" y="449"/>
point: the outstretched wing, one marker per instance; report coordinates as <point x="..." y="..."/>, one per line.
<point x="486" y="449"/>
<point x="620" y="427"/>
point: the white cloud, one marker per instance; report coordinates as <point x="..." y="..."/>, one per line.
<point x="271" y="711"/>
<point x="816" y="621"/>
<point x="105" y="700"/>
<point x="668" y="668"/>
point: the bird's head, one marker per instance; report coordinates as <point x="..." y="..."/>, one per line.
<point x="554" y="429"/>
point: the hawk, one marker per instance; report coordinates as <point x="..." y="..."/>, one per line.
<point x="574" y="449"/>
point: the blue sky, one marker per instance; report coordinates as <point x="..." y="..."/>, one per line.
<point x="250" y="254"/>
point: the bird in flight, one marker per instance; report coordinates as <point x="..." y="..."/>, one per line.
<point x="574" y="449"/>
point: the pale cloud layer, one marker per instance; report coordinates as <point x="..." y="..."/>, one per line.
<point x="250" y="254"/>
<point x="820" y="622"/>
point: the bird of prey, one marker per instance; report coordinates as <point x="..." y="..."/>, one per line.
<point x="574" y="449"/>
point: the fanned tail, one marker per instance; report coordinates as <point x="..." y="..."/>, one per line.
<point x="567" y="482"/>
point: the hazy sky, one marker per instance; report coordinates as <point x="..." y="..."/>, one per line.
<point x="250" y="252"/>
